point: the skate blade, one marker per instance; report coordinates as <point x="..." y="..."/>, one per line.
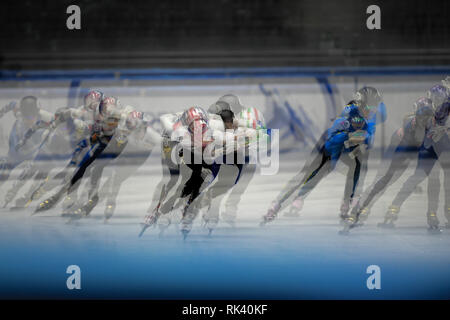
<point x="39" y="210"/>
<point x="72" y="216"/>
<point x="434" y="231"/>
<point x="144" y="227"/>
<point x="385" y="225"/>
<point x="184" y="234"/>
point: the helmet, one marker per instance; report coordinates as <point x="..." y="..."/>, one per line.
<point x="92" y="99"/>
<point x="110" y="114"/>
<point x="193" y="114"/>
<point x="233" y="101"/>
<point x="108" y="103"/>
<point x="218" y="107"/>
<point x="251" y="118"/>
<point x="227" y="115"/>
<point x="28" y="107"/>
<point x="438" y="95"/>
<point x="421" y="103"/>
<point x="368" y="97"/>
<point x="423" y="110"/>
<point x="134" y="119"/>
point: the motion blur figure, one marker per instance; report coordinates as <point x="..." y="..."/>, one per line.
<point x="185" y="138"/>
<point x="140" y="138"/>
<point x="234" y="176"/>
<point x="348" y="139"/>
<point x="435" y="148"/>
<point x="64" y="134"/>
<point x="102" y="136"/>
<point x="404" y="146"/>
<point x="27" y="114"/>
<point x="71" y="126"/>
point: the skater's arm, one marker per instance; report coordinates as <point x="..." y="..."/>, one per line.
<point x="381" y="114"/>
<point x="30" y="132"/>
<point x="9" y="107"/>
<point x="151" y="137"/>
<point x="339" y="125"/>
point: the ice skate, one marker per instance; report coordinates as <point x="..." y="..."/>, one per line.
<point x="189" y="214"/>
<point x="184" y="233"/>
<point x="21" y="203"/>
<point x="109" y="210"/>
<point x="90" y="205"/>
<point x="74" y="215"/>
<point x="48" y="204"/>
<point x="433" y="223"/>
<point x="363" y="215"/>
<point x="344" y="212"/>
<point x="349" y="223"/>
<point x="36" y="194"/>
<point x="390" y="217"/>
<point x="185" y="228"/>
<point x="296" y="207"/>
<point x="210" y="225"/>
<point x="164" y="223"/>
<point x="271" y="214"/>
<point x="68" y="202"/>
<point x="149" y="221"/>
<point x="84" y="210"/>
<point x="10" y="195"/>
<point x="447" y="216"/>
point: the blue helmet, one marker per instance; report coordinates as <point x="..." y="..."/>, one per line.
<point x="438" y="95"/>
<point x="92" y="99"/>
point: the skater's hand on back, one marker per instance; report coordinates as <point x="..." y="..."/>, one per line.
<point x="357" y="137"/>
<point x="20" y="144"/>
<point x="400" y="133"/>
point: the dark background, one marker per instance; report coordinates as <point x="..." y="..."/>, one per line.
<point x="222" y="33"/>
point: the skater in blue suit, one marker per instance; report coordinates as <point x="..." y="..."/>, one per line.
<point x="348" y="139"/>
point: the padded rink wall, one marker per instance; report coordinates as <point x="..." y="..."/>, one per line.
<point x="300" y="102"/>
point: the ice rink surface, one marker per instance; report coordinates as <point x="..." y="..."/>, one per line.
<point x="291" y="258"/>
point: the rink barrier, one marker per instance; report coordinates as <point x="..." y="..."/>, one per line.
<point x="218" y="73"/>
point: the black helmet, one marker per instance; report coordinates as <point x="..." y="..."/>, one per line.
<point x="227" y="115"/>
<point x="218" y="107"/>
<point x="233" y="102"/>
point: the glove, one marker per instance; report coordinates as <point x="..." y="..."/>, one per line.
<point x="437" y="133"/>
<point x="19" y="145"/>
<point x="355" y="138"/>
